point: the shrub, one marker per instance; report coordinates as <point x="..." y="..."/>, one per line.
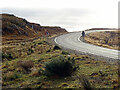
<point x="48" y="51"/>
<point x="84" y="82"/>
<point x="30" y="51"/>
<point x="26" y="65"/>
<point x="56" y="48"/>
<point x="40" y="43"/>
<point x="65" y="52"/>
<point x="45" y="42"/>
<point x="60" y="66"/>
<point x="40" y="59"/>
<point x="7" y="56"/>
<point x="11" y="76"/>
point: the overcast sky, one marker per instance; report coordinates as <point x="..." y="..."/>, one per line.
<point x="73" y="15"/>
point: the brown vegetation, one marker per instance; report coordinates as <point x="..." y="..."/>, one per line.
<point x="17" y="28"/>
<point x="23" y="66"/>
<point x="109" y="39"/>
<point x="20" y="70"/>
<point x="100" y="29"/>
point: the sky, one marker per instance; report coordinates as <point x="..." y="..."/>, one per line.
<point x="73" y="15"/>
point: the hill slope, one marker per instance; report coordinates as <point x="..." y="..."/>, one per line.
<point x="109" y="39"/>
<point x="15" y="27"/>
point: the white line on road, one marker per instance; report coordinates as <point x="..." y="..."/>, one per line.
<point x="70" y="41"/>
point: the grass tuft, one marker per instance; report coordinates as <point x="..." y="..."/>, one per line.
<point x="26" y="65"/>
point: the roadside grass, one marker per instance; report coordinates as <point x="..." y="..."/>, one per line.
<point x="108" y="39"/>
<point x="99" y="74"/>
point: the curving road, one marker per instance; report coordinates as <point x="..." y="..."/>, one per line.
<point x="72" y="41"/>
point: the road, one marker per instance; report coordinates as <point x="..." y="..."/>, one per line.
<point x="72" y="41"/>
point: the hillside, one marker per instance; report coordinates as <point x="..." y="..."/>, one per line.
<point x="24" y="66"/>
<point x="18" y="28"/>
<point x="101" y="29"/>
<point x="38" y="63"/>
<point x="109" y="39"/>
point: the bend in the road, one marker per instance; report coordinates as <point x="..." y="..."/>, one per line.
<point x="71" y="41"/>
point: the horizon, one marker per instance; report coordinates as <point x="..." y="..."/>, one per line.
<point x="73" y="16"/>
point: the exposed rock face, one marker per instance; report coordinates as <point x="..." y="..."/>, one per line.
<point x="15" y="26"/>
<point x="55" y="29"/>
<point x="12" y="25"/>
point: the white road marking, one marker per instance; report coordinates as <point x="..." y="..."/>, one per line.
<point x="70" y="41"/>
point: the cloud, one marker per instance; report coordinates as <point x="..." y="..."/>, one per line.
<point x="49" y="15"/>
<point x="69" y="18"/>
<point x="65" y="17"/>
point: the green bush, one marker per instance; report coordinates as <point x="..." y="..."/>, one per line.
<point x="30" y="51"/>
<point x="48" y="51"/>
<point x="7" y="56"/>
<point x="56" y="48"/>
<point x="45" y="42"/>
<point x="60" y="66"/>
<point x="40" y="43"/>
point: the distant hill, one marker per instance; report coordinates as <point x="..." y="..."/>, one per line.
<point x="15" y="27"/>
<point x="101" y="29"/>
<point x="109" y="39"/>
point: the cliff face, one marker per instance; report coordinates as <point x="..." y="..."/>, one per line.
<point x="13" y="26"/>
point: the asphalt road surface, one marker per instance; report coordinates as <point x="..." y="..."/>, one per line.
<point x="72" y="41"/>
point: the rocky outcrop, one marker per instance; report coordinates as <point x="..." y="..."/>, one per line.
<point x="54" y="29"/>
